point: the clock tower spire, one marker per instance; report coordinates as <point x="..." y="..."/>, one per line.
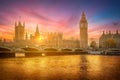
<point x="83" y="32"/>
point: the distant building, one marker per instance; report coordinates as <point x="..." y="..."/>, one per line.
<point x="21" y="39"/>
<point x="37" y="34"/>
<point x="35" y="37"/>
<point x="109" y="40"/>
<point x="71" y="43"/>
<point x="83" y="32"/>
<point x="54" y="39"/>
<point x="50" y="39"/>
<point x="19" y="32"/>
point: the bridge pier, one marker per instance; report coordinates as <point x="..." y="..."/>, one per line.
<point x="7" y="55"/>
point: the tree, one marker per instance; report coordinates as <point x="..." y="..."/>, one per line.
<point x="93" y="44"/>
<point x="110" y="43"/>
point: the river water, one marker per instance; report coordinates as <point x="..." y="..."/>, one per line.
<point x="73" y="67"/>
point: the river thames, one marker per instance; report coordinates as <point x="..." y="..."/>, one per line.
<point x="70" y="67"/>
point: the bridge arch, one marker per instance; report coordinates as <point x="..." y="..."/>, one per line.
<point x="5" y="49"/>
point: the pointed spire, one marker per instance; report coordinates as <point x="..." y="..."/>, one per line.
<point x="37" y="30"/>
<point x="83" y="18"/>
<point x="106" y="33"/>
<point x="117" y="32"/>
<point x="15" y="23"/>
<point x="109" y="32"/>
<point x="83" y="13"/>
<point x="24" y="24"/>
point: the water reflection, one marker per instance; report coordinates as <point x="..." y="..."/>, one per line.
<point x="85" y="67"/>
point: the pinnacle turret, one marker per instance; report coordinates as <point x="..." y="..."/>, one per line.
<point x="117" y="32"/>
<point x="83" y="18"/>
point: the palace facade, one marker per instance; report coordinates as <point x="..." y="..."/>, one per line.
<point x="109" y="40"/>
<point x="51" y="39"/>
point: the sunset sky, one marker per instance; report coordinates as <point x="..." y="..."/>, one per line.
<point x="59" y="16"/>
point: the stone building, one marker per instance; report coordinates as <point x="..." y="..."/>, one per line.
<point x="109" y="40"/>
<point x="50" y="39"/>
<point x="34" y="37"/>
<point x="83" y="32"/>
<point x="19" y="32"/>
<point x="54" y="39"/>
<point x="21" y="39"/>
<point x="71" y="44"/>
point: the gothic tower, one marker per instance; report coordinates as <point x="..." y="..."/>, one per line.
<point x="19" y="31"/>
<point x="37" y="34"/>
<point x="83" y="32"/>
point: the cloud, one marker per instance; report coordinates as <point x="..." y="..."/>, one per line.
<point x="37" y="15"/>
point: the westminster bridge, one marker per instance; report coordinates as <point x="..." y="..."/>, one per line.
<point x="31" y="52"/>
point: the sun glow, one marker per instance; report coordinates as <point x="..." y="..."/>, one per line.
<point x="43" y="54"/>
<point x="41" y="38"/>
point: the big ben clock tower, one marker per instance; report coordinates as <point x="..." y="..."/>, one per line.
<point x="83" y="32"/>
